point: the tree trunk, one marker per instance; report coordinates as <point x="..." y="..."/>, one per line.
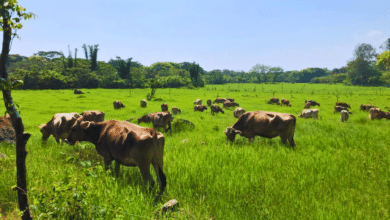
<point x="21" y="136"/>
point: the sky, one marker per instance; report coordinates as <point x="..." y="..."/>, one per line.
<point x="216" y="34"/>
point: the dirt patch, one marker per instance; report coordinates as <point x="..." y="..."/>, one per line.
<point x="7" y="132"/>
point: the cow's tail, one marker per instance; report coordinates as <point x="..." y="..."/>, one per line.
<point x="163" y="183"/>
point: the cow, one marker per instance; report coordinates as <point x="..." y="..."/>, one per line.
<point x="285" y="102"/>
<point x="343" y="104"/>
<point x="309" y="113"/>
<point x="273" y="101"/>
<point x="344" y="116"/>
<point x="118" y="105"/>
<point x="143" y="103"/>
<point x="59" y="126"/>
<point x="164" y="107"/>
<point x="126" y="143"/>
<point x="309" y="103"/>
<point x="238" y="112"/>
<point x="228" y="104"/>
<point x="78" y="91"/>
<point x="162" y="119"/>
<point x="219" y="100"/>
<point x="200" y="108"/>
<point x="146" y="118"/>
<point x="377" y="113"/>
<point x="264" y="124"/>
<point x="216" y="109"/>
<point x="175" y="110"/>
<point x="208" y="102"/>
<point x="338" y="108"/>
<point x="198" y="102"/>
<point x="92" y="115"/>
<point x="366" y="107"/>
<point x="230" y="99"/>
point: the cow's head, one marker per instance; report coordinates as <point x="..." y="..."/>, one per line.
<point x="78" y="132"/>
<point x="46" y="131"/>
<point x="231" y="133"/>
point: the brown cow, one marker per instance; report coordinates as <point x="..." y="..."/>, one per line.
<point x="273" y="101"/>
<point x="146" y="118"/>
<point x="343" y="104"/>
<point x="377" y="113"/>
<point x="264" y="124"/>
<point x="200" y="108"/>
<point x="338" y="108"/>
<point x="238" y="112"/>
<point x="216" y="109"/>
<point x="344" y="116"/>
<point x="208" y="102"/>
<point x="175" y="110"/>
<point x="118" y="105"/>
<point x="162" y="119"/>
<point x="78" y="91"/>
<point x="93" y="115"/>
<point x="59" y="126"/>
<point x="126" y="143"/>
<point x="309" y="113"/>
<point x="285" y="102"/>
<point x="366" y="107"/>
<point x="219" y="100"/>
<point x="143" y="103"/>
<point x="309" y="103"/>
<point x="198" y="102"/>
<point x="164" y="107"/>
<point x="228" y="104"/>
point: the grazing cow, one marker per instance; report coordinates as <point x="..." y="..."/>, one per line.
<point x="344" y="116"/>
<point x="216" y="109"/>
<point x="200" y="108"/>
<point x="59" y="126"/>
<point x="118" y="105"/>
<point x="377" y="113"/>
<point x="164" y="107"/>
<point x="198" y="102"/>
<point x="309" y="113"/>
<point x="143" y="103"/>
<point x="273" y="101"/>
<point x="343" y="104"/>
<point x="264" y="124"/>
<point x="309" y="103"/>
<point x="175" y="110"/>
<point x="92" y="115"/>
<point x="126" y="143"/>
<point x="238" y="112"/>
<point x="78" y="91"/>
<point x="230" y="99"/>
<point x="208" y="102"/>
<point x="146" y="118"/>
<point x="338" y="108"/>
<point x="219" y="100"/>
<point x="162" y="119"/>
<point x="228" y="104"/>
<point x="366" y="107"/>
<point x="285" y="102"/>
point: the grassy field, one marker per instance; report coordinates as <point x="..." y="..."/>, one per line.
<point x="337" y="171"/>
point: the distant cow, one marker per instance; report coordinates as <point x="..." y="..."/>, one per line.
<point x="162" y="119"/>
<point x="309" y="103"/>
<point x="274" y="101"/>
<point x="198" y="102"/>
<point x="200" y="108"/>
<point x="338" y="108"/>
<point x="366" y="107"/>
<point x="118" y="105"/>
<point x="264" y="124"/>
<point x="59" y="126"/>
<point x="78" y="91"/>
<point x="208" y="102"/>
<point x="377" y="113"/>
<point x="216" y="109"/>
<point x="93" y="115"/>
<point x="143" y="103"/>
<point x="126" y="143"/>
<point x="344" y="116"/>
<point x="164" y="107"/>
<point x="309" y="113"/>
<point x="238" y="112"/>
<point x="175" y="110"/>
<point x="343" y="104"/>
<point x="286" y="102"/>
<point x="219" y="100"/>
<point x="146" y="118"/>
<point x="228" y="104"/>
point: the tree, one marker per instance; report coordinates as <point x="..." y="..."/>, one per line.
<point x="48" y="54"/>
<point x="8" y="24"/>
<point x="124" y="69"/>
<point x="274" y="73"/>
<point x="93" y="56"/>
<point x="261" y="72"/>
<point x="85" y="51"/>
<point x="386" y="45"/>
<point x="383" y="60"/>
<point x="194" y="74"/>
<point x="70" y="60"/>
<point x="365" y="51"/>
<point x="75" y="57"/>
<point x="360" y="72"/>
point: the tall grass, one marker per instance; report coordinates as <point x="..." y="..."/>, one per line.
<point x="338" y="170"/>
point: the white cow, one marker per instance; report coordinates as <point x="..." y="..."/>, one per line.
<point x="309" y="113"/>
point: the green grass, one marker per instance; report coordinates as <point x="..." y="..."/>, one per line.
<point x="337" y="171"/>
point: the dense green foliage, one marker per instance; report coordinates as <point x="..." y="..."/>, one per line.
<point x="337" y="171"/>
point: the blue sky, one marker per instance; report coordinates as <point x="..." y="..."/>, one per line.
<point x="234" y="35"/>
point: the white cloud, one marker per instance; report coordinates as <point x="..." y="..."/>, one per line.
<point x="374" y="33"/>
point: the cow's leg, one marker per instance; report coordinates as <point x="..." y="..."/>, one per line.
<point x="284" y="139"/>
<point x="107" y="163"/>
<point x="144" y="167"/>
<point x="117" y="168"/>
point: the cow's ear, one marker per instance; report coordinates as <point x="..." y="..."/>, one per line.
<point x="85" y="124"/>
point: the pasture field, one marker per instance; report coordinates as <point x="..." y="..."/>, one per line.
<point x="337" y="171"/>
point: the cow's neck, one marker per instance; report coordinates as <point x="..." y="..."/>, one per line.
<point x="93" y="133"/>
